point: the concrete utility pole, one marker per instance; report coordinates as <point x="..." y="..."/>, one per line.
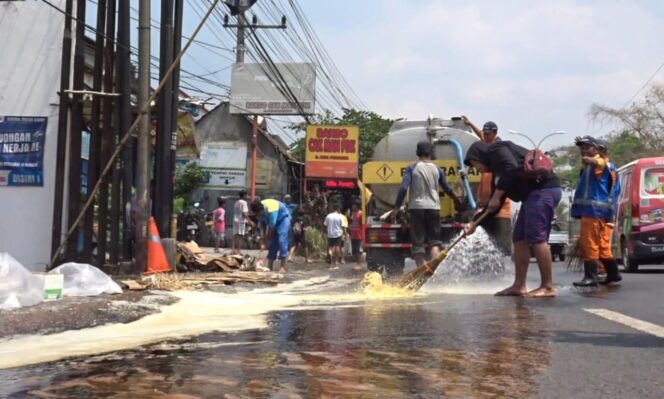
<point x="163" y="195"/>
<point x="239" y="7"/>
<point x="143" y="156"/>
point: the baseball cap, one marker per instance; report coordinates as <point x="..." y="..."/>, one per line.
<point x="490" y="127"/>
<point x="424" y="148"/>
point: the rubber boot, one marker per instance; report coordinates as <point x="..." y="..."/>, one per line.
<point x="612" y="273"/>
<point x="590" y="275"/>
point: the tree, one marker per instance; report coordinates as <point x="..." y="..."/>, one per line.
<point x="623" y="149"/>
<point x="373" y="128"/>
<point x="643" y="119"/>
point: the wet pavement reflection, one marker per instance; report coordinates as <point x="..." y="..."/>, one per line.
<point x="428" y="346"/>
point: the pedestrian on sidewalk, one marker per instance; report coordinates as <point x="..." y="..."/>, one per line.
<point x="277" y="218"/>
<point x="423" y="180"/>
<point x="240" y="221"/>
<point x="499" y="227"/>
<point x="220" y="224"/>
<point x="335" y="230"/>
<point x="357" y="234"/>
<point x="593" y="204"/>
<point x="538" y="197"/>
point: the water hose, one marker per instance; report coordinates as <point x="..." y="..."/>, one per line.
<point x="462" y="170"/>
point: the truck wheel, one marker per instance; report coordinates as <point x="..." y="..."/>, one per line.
<point x="631" y="265"/>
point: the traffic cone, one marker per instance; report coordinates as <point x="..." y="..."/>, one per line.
<point x="157" y="262"/>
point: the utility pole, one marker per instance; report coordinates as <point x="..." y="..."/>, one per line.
<point x="74" y="197"/>
<point x="163" y="195"/>
<point x="238" y="7"/>
<point x="143" y="156"/>
<point x="124" y="117"/>
<point x="63" y="112"/>
<point x="175" y="80"/>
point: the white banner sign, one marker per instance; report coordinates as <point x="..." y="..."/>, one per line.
<point x="225" y="178"/>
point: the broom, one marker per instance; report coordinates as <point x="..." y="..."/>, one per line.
<point x="415" y="279"/>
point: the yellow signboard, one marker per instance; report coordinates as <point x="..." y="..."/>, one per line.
<point x="332" y="151"/>
<point x="391" y="172"/>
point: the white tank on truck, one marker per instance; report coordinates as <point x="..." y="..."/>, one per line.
<point x="387" y="243"/>
<point x="400" y="143"/>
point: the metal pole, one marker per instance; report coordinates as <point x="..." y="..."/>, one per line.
<point x="162" y="164"/>
<point x="74" y="197"/>
<point x="143" y="156"/>
<point x="124" y="117"/>
<point x="254" y="150"/>
<point x="116" y="135"/>
<point x="94" y="160"/>
<point x="63" y="113"/>
<point x="177" y="46"/>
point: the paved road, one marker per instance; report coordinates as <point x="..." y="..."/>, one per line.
<point x="592" y="356"/>
<point x="605" y="343"/>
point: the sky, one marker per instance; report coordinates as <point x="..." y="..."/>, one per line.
<point x="535" y="67"/>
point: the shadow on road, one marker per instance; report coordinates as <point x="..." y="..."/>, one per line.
<point x="623" y="340"/>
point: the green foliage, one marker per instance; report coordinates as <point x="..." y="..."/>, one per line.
<point x="178" y="205"/>
<point x="623" y="148"/>
<point x="187" y="179"/>
<point x="373" y="128"/>
<point x="316" y="242"/>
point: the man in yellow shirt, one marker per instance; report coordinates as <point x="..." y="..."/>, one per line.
<point x="499" y="227"/>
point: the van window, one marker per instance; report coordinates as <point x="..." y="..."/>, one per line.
<point x="625" y="185"/>
<point x="652" y="183"/>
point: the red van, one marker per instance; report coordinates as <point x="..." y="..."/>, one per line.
<point x="639" y="232"/>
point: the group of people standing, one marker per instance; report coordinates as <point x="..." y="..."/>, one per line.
<point x="283" y="229"/>
<point x="503" y="181"/>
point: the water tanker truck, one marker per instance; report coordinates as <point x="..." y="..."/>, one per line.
<point x="386" y="242"/>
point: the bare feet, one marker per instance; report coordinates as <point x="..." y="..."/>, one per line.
<point x="358" y="268"/>
<point x="543" y="292"/>
<point x="512" y="291"/>
<point x="282" y="270"/>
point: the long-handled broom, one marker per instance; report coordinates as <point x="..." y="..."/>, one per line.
<point x="415" y="279"/>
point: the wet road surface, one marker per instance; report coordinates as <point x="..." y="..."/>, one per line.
<point x="434" y="345"/>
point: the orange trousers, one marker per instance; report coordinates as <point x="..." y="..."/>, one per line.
<point x="595" y="239"/>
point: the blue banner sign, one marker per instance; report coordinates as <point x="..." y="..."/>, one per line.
<point x="22" y="150"/>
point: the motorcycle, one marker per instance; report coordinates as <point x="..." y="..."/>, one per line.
<point x="192" y="224"/>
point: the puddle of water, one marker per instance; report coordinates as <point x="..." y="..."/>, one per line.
<point x="425" y="349"/>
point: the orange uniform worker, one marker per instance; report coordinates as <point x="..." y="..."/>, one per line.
<point x="500" y="226"/>
<point x="593" y="204"/>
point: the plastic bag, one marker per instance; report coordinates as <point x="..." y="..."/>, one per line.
<point x="81" y="279"/>
<point x="18" y="287"/>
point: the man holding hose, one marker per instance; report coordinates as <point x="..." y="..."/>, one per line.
<point x="539" y="199"/>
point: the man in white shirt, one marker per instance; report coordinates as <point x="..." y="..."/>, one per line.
<point x="334" y="223"/>
<point x="240" y="220"/>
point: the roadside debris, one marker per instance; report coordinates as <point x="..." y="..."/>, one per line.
<point x="81" y="279"/>
<point x="190" y="257"/>
<point x="18" y="287"/>
<point x="199" y="281"/>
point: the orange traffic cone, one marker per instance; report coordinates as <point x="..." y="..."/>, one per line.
<point x="157" y="262"/>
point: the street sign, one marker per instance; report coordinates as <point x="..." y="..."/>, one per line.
<point x="254" y="91"/>
<point x="332" y="151"/>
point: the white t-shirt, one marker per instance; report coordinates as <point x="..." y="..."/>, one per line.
<point x="239" y="210"/>
<point x="335" y="225"/>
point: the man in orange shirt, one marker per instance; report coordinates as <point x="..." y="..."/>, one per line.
<point x="500" y="226"/>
